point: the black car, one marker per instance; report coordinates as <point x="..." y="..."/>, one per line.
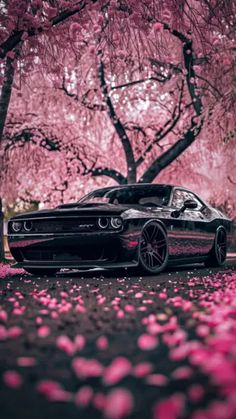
<point x="141" y="225"/>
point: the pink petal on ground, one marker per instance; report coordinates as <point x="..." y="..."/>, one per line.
<point x="102" y="343"/>
<point x="182" y="373"/>
<point x="64" y="343"/>
<point x="116" y="371"/>
<point x="85" y="368"/>
<point x="3" y="333"/>
<point x="99" y="401"/>
<point x="163" y="295"/>
<point x="142" y="369"/>
<point x="154" y="328"/>
<point x="53" y="391"/>
<point x="26" y="361"/>
<point x="196" y="392"/>
<point x="80" y="309"/>
<point x="18" y="311"/>
<point x="129" y="308"/>
<point x="156" y="380"/>
<point x="79" y="342"/>
<point x="202" y="330"/>
<point x="138" y="295"/>
<point x="147" y="342"/>
<point x="3" y="315"/>
<point x="119" y="404"/>
<point x="120" y="314"/>
<point x="171" y="408"/>
<point x="12" y="379"/>
<point x="14" y="332"/>
<point x="84" y="396"/>
<point x="43" y="331"/>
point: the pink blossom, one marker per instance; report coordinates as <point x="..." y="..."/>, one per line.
<point x="12" y="379"/>
<point x="147" y="342"/>
<point x="158" y="27"/>
<point x="83" y="396"/>
<point x="119" y="404"/>
<point x="116" y="371"/>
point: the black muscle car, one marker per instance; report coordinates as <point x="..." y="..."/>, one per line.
<point x="142" y="225"/>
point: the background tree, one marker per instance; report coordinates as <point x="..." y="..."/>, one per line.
<point x="188" y="48"/>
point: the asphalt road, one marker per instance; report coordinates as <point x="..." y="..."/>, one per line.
<point x="122" y="309"/>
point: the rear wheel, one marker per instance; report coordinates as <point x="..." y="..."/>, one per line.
<point x="41" y="272"/>
<point x="153" y="248"/>
<point x="217" y="255"/>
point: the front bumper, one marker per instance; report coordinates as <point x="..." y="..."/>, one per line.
<point x="75" y="250"/>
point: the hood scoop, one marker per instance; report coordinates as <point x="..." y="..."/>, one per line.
<point x="81" y="205"/>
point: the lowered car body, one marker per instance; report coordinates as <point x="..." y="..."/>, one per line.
<point x="144" y="225"/>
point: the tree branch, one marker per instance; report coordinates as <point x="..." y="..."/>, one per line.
<point x="111" y="173"/>
<point x="15" y="38"/>
<point x="120" y="130"/>
<point x="172" y="153"/>
<point x="163" y="79"/>
<point x="162" y="132"/>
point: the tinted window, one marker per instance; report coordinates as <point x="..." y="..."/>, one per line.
<point x="179" y="196"/>
<point x="139" y="195"/>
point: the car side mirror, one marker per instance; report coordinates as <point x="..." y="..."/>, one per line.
<point x="188" y="204"/>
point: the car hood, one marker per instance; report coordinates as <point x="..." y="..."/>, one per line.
<point x="77" y="210"/>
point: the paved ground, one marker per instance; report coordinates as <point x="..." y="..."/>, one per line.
<point x="113" y="346"/>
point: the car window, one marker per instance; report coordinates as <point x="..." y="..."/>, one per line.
<point x="179" y="196"/>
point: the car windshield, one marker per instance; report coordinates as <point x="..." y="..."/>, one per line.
<point x="149" y="196"/>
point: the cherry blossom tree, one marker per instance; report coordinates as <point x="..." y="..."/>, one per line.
<point x="105" y="55"/>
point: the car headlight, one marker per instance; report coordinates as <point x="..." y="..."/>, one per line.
<point x="28" y="225"/>
<point x="116" y="222"/>
<point x="103" y="222"/>
<point x="16" y="226"/>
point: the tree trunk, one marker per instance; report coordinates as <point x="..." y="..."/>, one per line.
<point x="4" y="104"/>
<point x="1" y="231"/>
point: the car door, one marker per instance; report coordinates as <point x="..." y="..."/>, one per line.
<point x="189" y="235"/>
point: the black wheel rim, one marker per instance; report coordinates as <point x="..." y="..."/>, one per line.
<point x="153" y="247"/>
<point x="221" y="246"/>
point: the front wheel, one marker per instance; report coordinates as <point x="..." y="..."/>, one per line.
<point x="153" y="248"/>
<point x="41" y="272"/>
<point x="217" y="255"/>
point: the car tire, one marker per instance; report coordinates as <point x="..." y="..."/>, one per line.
<point x="41" y="272"/>
<point x="217" y="255"/>
<point x="153" y="248"/>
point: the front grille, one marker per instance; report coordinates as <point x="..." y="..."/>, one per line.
<point x="65" y="225"/>
<point x="85" y="253"/>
